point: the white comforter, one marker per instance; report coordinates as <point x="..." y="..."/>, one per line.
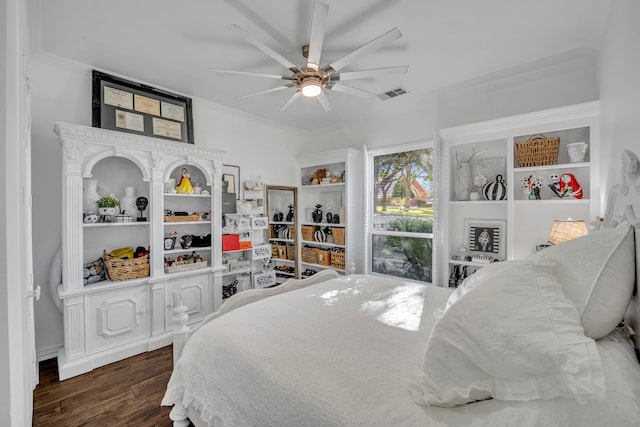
<point x="343" y="353"/>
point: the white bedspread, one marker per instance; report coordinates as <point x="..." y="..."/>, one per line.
<point x="343" y="353"/>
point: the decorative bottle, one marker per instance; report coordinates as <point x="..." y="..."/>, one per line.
<point x="128" y="201"/>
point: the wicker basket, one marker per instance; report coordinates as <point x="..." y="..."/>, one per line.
<point x="537" y="151"/>
<point x="272" y="232"/>
<point x="307" y="232"/>
<point x="323" y="256"/>
<point x="291" y="252"/>
<point x="337" y="259"/>
<point x="177" y="267"/>
<point x="181" y="218"/>
<point x="338" y="235"/>
<point x="292" y="231"/>
<point x="309" y="255"/>
<point x="126" y="269"/>
<point x="275" y="252"/>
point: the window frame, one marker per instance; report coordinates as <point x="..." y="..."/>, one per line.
<point x="370" y="198"/>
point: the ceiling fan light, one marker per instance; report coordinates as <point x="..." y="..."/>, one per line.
<point x="311" y="89"/>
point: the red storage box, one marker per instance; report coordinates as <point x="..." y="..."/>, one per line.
<point x="230" y="242"/>
<point x="245" y="245"/>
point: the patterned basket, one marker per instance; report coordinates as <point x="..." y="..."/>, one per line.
<point x="337" y="259"/>
<point x="537" y="151"/>
<point x="275" y="252"/>
<point x="291" y="252"/>
<point x="177" y="267"/>
<point x="323" y="256"/>
<point x="181" y="218"/>
<point x="309" y="255"/>
<point x="338" y="235"/>
<point x="307" y="232"/>
<point x="126" y="269"/>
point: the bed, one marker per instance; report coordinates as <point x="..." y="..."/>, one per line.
<point x="545" y="341"/>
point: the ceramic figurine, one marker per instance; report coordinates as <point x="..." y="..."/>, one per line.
<point x="184" y="186"/>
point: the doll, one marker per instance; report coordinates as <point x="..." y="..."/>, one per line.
<point x="184" y="186"/>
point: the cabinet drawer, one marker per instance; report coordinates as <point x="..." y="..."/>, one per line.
<point x="117" y="317"/>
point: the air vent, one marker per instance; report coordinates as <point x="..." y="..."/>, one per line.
<point x="393" y="93"/>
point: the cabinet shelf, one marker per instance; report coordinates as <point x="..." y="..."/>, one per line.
<point x="275" y="239"/>
<point x="117" y="224"/>
<point x="321" y="244"/>
<point x="324" y="186"/>
<point x="187" y="195"/>
<point x="479" y="202"/>
<point x="325" y="224"/>
<point x="553" y="167"/>
<point x="191" y="249"/>
<point x="167" y="223"/>
<point x="329" y="267"/>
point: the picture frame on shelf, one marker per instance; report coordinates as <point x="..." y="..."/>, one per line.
<point x="485" y="238"/>
<point x="231" y="175"/>
<point x="127" y="106"/>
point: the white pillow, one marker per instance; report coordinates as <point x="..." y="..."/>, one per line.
<point x="514" y="337"/>
<point x="597" y="273"/>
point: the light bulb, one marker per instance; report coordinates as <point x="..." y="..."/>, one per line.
<point x="311" y="89"/>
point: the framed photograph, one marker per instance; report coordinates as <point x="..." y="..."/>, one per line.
<point x="231" y="180"/>
<point x="486" y="237"/>
<point x="127" y="106"/>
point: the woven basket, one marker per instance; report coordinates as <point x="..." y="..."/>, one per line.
<point x="309" y="255"/>
<point x="337" y="259"/>
<point x="338" y="235"/>
<point x="274" y="251"/>
<point x="292" y="231"/>
<point x="537" y="151"/>
<point x="291" y="252"/>
<point x="307" y="232"/>
<point x="126" y="269"/>
<point x="178" y="267"/>
<point x="272" y="232"/>
<point x="323" y="256"/>
<point x="181" y="218"/>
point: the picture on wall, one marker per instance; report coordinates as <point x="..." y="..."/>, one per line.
<point x="127" y="106"/>
<point x="486" y="237"/>
<point x="231" y="180"/>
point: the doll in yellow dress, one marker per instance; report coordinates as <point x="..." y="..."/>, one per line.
<point x="184" y="186"/>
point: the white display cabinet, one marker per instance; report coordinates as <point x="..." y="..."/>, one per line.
<point x="282" y="217"/>
<point x="527" y="214"/>
<point x="333" y="181"/>
<point x="110" y="320"/>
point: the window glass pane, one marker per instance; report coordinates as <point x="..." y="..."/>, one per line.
<point x="400" y="256"/>
<point x="403" y="189"/>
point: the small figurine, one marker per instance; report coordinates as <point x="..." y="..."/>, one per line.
<point x="184" y="186"/>
<point x="531" y="187"/>
<point x="290" y="214"/>
<point x="317" y="214"/>
<point x="141" y="204"/>
<point x="568" y="186"/>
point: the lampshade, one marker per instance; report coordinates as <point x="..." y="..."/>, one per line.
<point x="563" y="230"/>
<point x="311" y="86"/>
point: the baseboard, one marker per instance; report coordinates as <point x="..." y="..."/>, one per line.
<point x="47" y="353"/>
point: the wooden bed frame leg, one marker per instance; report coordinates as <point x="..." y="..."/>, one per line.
<point x="179" y="416"/>
<point x="180" y="330"/>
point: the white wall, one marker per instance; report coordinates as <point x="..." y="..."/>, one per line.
<point x="62" y="92"/>
<point x="619" y="88"/>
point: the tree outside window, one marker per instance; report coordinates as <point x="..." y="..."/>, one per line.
<point x="402" y="217"/>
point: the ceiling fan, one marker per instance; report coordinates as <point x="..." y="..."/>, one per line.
<point x="312" y="79"/>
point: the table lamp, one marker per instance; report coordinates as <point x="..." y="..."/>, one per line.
<point x="563" y="230"/>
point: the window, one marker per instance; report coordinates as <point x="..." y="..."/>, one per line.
<point x="400" y="209"/>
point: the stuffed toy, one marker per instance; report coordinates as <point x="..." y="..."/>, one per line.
<point x="567" y="186"/>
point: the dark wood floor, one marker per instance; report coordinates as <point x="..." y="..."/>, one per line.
<point x="125" y="393"/>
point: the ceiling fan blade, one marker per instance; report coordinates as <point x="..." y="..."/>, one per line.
<point x="291" y="100"/>
<point x="275" y="89"/>
<point x="378" y="42"/>
<point x="247" y="73"/>
<point x="375" y="72"/>
<point x="318" y="30"/>
<point x="324" y="101"/>
<point x="264" y="48"/>
<point x="351" y="90"/>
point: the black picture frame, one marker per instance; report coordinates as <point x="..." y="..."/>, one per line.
<point x="119" y="104"/>
<point x="231" y="174"/>
<point x="493" y="231"/>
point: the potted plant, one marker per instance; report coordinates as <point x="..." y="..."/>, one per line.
<point x="107" y="206"/>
